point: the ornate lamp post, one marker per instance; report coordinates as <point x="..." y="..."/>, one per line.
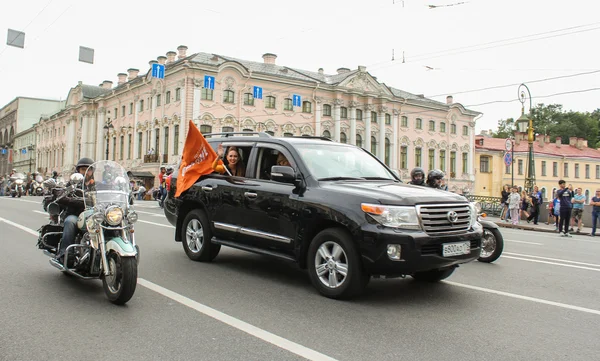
<point x="107" y="128"/>
<point x="525" y="124"/>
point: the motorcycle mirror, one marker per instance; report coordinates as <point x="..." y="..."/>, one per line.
<point x="76" y="178"/>
<point x="49" y="183"/>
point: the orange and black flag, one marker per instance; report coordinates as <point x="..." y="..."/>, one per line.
<point x="197" y="160"/>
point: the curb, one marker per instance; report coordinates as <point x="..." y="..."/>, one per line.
<point x="535" y="229"/>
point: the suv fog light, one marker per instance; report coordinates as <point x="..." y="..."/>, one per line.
<point x="394" y="251"/>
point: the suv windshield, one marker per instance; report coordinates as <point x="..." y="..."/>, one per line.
<point x="332" y="161"/>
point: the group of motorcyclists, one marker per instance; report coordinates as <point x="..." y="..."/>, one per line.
<point x="30" y="184"/>
<point x="435" y="178"/>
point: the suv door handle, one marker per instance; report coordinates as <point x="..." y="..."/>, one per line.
<point x="207" y="188"/>
<point x="250" y="195"/>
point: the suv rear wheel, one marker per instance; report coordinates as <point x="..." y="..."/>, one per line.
<point x="196" y="236"/>
<point x="334" y="265"/>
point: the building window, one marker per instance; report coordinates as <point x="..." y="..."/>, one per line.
<point x="207" y="94"/>
<point x="543" y="193"/>
<point x="287" y="104"/>
<point x="228" y="96"/>
<point x="419" y="123"/>
<point x="373" y="145"/>
<point x="326" y="134"/>
<point x="543" y="168"/>
<point x="116" y="113"/>
<point x="306" y="107"/>
<point x="465" y="130"/>
<point x="176" y="139"/>
<point x="442" y="127"/>
<point x="418" y="157"/>
<point x="206" y="129"/>
<point x="141" y="105"/>
<point x="158" y="100"/>
<point x="388" y="119"/>
<point x="465" y="163"/>
<point x="121" y="147"/>
<point x="587" y="196"/>
<point x="248" y="99"/>
<point x="130" y="108"/>
<point x="344" y="113"/>
<point x="358" y="141"/>
<point x="520" y="167"/>
<point x="129" y="146"/>
<point x="566" y="170"/>
<point x="227" y="130"/>
<point x="270" y="132"/>
<point x="387" y="152"/>
<point x="452" y="128"/>
<point x="288" y="135"/>
<point x="404" y="121"/>
<point x="587" y="171"/>
<point x="359" y="114"/>
<point x="507" y="169"/>
<point x="598" y="172"/>
<point x="403" y="157"/>
<point x="484" y="164"/>
<point x="443" y="160"/>
<point x="114" y="154"/>
<point x="453" y="162"/>
<point x="343" y="138"/>
<point x="270" y="102"/>
<point x="166" y="141"/>
<point x="326" y="110"/>
<point x="432" y="125"/>
<point x="157" y="141"/>
<point x="177" y="94"/>
<point x="168" y="97"/>
<point x="431" y="159"/>
<point x="555" y="169"/>
<point x="373" y="117"/>
<point x="576" y="170"/>
<point x="139" y="150"/>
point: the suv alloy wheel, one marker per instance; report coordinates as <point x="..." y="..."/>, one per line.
<point x="196" y="236"/>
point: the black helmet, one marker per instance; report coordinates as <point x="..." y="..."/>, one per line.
<point x="54" y="173"/>
<point x="433" y="176"/>
<point x="84" y="162"/>
<point x="413" y="176"/>
<point x="169" y="170"/>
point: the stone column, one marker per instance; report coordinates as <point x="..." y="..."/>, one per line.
<point x="394" y="161"/>
<point x="70" y="140"/>
<point x="183" y="123"/>
<point x="381" y="120"/>
<point x="471" y="155"/>
<point x="352" y="116"/>
<point x="318" y="111"/>
<point x="84" y="132"/>
<point x="197" y="97"/>
<point x="337" y="103"/>
<point x="367" y="120"/>
<point x="100" y="114"/>
<point x="91" y="134"/>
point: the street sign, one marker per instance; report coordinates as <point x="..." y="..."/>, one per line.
<point x="507" y="158"/>
<point x="209" y="82"/>
<point x="508" y="145"/>
<point x="15" y="38"/>
<point x="158" y="71"/>
<point x="257" y="94"/>
<point x="24" y="151"/>
<point x="86" y="55"/>
<point x="297" y="100"/>
<point x="3" y="151"/>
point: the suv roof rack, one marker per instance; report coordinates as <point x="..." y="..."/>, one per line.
<point x="310" y="137"/>
<point x="230" y="134"/>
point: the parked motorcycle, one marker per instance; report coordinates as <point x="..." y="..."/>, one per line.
<point x="105" y="245"/>
<point x="492" y="243"/>
<point x="37" y="188"/>
<point x="16" y="185"/>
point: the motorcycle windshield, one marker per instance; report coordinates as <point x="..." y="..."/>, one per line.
<point x="17" y="176"/>
<point x="106" y="184"/>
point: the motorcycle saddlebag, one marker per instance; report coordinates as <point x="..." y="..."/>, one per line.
<point x="50" y="235"/>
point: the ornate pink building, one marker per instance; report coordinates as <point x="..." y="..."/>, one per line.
<point x="149" y="116"/>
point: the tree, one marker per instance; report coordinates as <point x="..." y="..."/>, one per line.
<point x="506" y="128"/>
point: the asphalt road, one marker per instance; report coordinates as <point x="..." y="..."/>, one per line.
<point x="540" y="301"/>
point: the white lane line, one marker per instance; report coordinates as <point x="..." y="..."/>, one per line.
<point x="515" y="241"/>
<point x="237" y="323"/>
<point x="40" y="212"/>
<point x="20" y="200"/>
<point x="157" y="224"/>
<point x="552" y="263"/>
<point x="526" y="298"/>
<point x="23" y="228"/>
<point x="152" y="214"/>
<point x="551" y="259"/>
<point x="555" y="236"/>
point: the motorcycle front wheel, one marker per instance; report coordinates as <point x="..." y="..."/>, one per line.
<point x="120" y="285"/>
<point x="492" y="245"/>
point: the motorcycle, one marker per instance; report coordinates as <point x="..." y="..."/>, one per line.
<point x="16" y="185"/>
<point x="492" y="243"/>
<point x="37" y="188"/>
<point x="105" y="246"/>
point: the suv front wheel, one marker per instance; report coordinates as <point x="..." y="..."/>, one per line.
<point x="196" y="236"/>
<point x="334" y="265"/>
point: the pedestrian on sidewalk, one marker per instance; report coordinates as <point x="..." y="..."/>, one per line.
<point x="595" y="211"/>
<point x="525" y="204"/>
<point x="504" y="202"/>
<point x="565" y="196"/>
<point x="556" y="210"/>
<point x="514" y="204"/>
<point x="578" y="201"/>
<point x="536" y="202"/>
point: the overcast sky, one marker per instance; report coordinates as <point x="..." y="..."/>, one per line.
<point x="330" y="34"/>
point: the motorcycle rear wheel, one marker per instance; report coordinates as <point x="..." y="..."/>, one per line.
<point x="119" y="287"/>
<point x="492" y="245"/>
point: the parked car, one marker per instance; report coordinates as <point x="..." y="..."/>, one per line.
<point x="336" y="210"/>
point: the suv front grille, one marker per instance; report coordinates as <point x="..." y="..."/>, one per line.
<point x="435" y="218"/>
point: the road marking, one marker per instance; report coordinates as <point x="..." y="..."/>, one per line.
<point x="157" y="224"/>
<point x="23" y="228"/>
<point x="552" y="263"/>
<point x="40" y="212"/>
<point x="534" y="243"/>
<point x="152" y="214"/>
<point x="237" y="323"/>
<point x="526" y="298"/>
<point x="552" y="259"/>
<point x="20" y="200"/>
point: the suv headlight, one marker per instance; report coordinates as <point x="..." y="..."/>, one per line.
<point x="473" y="213"/>
<point x="393" y="216"/>
<point x="114" y="215"/>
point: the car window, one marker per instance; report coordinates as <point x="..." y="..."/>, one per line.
<point x="268" y="157"/>
<point x="243" y="151"/>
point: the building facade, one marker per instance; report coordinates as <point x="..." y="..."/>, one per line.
<point x="17" y="116"/>
<point x="147" y="117"/>
<point x="24" y="151"/>
<point x="574" y="162"/>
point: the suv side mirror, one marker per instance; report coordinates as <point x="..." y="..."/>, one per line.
<point x="283" y="174"/>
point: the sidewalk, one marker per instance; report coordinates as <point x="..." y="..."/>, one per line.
<point x="540" y="227"/>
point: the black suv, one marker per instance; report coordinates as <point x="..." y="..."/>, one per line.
<point x="333" y="208"/>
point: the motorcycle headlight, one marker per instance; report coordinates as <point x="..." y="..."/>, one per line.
<point x="393" y="216"/>
<point x="98" y="217"/>
<point x="114" y="215"/>
<point x="473" y="214"/>
<point x="132" y="216"/>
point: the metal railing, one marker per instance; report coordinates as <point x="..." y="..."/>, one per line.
<point x="489" y="205"/>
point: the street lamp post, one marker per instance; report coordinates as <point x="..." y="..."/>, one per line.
<point x="525" y="124"/>
<point x="107" y="128"/>
<point x="30" y="150"/>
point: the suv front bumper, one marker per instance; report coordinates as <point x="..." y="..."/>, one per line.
<point x="420" y="251"/>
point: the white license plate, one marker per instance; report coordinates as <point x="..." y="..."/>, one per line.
<point x="456" y="249"/>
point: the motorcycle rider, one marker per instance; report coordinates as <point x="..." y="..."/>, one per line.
<point x="74" y="208"/>
<point x="417" y="176"/>
<point x="54" y="175"/>
<point x="434" y="178"/>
